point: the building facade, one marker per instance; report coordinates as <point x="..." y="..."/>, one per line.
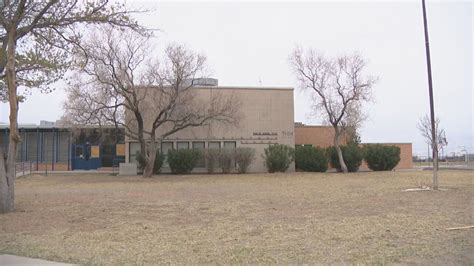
<point x="48" y="147"/>
<point x="266" y="118"/>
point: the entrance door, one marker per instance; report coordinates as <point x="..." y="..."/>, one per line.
<point x="85" y="157"/>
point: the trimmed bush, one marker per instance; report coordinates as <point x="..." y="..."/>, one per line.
<point x="212" y="159"/>
<point x="244" y="158"/>
<point x="183" y="161"/>
<point x="157" y="165"/>
<point x="278" y="157"/>
<point x="381" y="157"/>
<point x="311" y="159"/>
<point x="352" y="155"/>
<point x="226" y="159"/>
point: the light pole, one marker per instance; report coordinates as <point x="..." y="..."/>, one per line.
<point x="430" y="89"/>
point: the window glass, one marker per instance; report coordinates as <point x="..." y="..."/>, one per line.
<point x="183" y="145"/>
<point x="134" y="147"/>
<point x="214" y="145"/>
<point x="165" y="147"/>
<point x="200" y="146"/>
<point x="79" y="152"/>
<point x="229" y="145"/>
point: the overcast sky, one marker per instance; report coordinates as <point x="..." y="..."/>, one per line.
<point x="248" y="43"/>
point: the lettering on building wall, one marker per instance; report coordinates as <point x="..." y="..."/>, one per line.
<point x="287" y="134"/>
<point x="265" y="134"/>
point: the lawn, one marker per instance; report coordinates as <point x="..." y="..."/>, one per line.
<point x="264" y="218"/>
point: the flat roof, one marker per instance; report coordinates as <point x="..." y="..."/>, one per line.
<point x="244" y="88"/>
<point x="235" y="88"/>
<point x="33" y="126"/>
<point x="313" y="126"/>
<point x="386" y="143"/>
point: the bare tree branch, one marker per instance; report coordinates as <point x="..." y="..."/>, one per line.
<point x="152" y="99"/>
<point x="339" y="88"/>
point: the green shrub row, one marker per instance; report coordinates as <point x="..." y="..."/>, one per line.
<point x="227" y="159"/>
<point x="185" y="160"/>
<point x="381" y="157"/>
<point x="278" y="157"/>
<point x="378" y="157"/>
<point x="352" y="154"/>
<point x="311" y="159"/>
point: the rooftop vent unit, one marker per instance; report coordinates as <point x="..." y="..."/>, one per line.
<point x="203" y="82"/>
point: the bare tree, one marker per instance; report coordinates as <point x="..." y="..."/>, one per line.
<point x="339" y="88"/>
<point x="424" y="125"/>
<point x="122" y="85"/>
<point x="35" y="40"/>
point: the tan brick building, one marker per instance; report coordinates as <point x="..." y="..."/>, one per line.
<point x="266" y="117"/>
<point x="323" y="136"/>
<point x="317" y="136"/>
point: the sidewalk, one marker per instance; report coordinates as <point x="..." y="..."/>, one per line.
<point x="6" y="259"/>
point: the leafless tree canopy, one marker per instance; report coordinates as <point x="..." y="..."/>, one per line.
<point x="339" y="88"/>
<point x="339" y="85"/>
<point x="46" y="32"/>
<point x="36" y="38"/>
<point x="424" y="125"/>
<point x="123" y="85"/>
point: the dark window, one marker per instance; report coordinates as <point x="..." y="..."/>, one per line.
<point x="165" y="147"/>
<point x="230" y="145"/>
<point x="79" y="152"/>
<point x="214" y="145"/>
<point x="200" y="146"/>
<point x="182" y="145"/>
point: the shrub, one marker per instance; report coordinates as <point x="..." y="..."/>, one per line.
<point x="183" y="161"/>
<point x="226" y="158"/>
<point x="156" y="166"/>
<point x="352" y="155"/>
<point x="244" y="158"/>
<point x="311" y="159"/>
<point x="380" y="157"/>
<point x="278" y="157"/>
<point x="212" y="159"/>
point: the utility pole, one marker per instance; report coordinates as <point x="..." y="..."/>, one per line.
<point x="430" y="88"/>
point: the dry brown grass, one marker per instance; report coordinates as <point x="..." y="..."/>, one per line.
<point x="267" y="218"/>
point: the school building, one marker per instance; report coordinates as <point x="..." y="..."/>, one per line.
<point x="266" y="118"/>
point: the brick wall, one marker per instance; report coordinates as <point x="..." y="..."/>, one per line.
<point x="318" y="136"/>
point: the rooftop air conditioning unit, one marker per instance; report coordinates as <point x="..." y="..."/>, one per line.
<point x="203" y="82"/>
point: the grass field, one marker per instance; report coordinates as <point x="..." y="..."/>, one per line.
<point x="267" y="218"/>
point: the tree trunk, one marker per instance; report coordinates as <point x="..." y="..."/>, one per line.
<point x="7" y="167"/>
<point x="338" y="151"/>
<point x="150" y="159"/>
<point x="6" y="197"/>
